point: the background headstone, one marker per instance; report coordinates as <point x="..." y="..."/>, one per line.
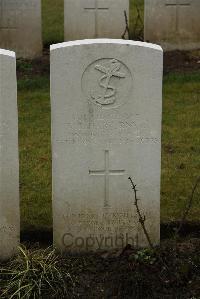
<point x="173" y="24"/>
<point x="106" y="125"/>
<point x="95" y="18"/>
<point x="20" y="27"/>
<point x="9" y="164"/>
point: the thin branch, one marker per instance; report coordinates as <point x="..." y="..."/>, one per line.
<point x="142" y="219"/>
<point x="138" y="30"/>
<point x="126" y="28"/>
<point x="142" y="222"/>
<point x="188" y="206"/>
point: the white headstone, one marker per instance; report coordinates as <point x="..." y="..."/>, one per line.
<point x="9" y="164"/>
<point x="106" y="98"/>
<point x="20" y="27"/>
<point x="95" y="18"/>
<point x="173" y="24"/>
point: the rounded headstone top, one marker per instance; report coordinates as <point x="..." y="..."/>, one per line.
<point x="105" y="41"/>
<point x="7" y="53"/>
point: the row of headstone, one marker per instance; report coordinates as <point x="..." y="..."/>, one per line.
<point x="106" y="102"/>
<point x="174" y="24"/>
<point x="20" y="27"/>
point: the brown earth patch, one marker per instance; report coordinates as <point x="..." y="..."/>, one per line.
<point x="181" y="61"/>
<point x="171" y="271"/>
<point x="175" y="61"/>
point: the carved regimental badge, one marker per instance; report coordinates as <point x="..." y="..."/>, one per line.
<point x="107" y="82"/>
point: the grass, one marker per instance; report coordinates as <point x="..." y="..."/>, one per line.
<point x="33" y="274"/>
<point x="180" y="138"/>
<point x="35" y="161"/>
<point x="136" y="18"/>
<point x="180" y="144"/>
<point x="53" y="21"/>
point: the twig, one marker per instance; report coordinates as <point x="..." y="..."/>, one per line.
<point x="142" y="219"/>
<point x="188" y="207"/>
<point x="142" y="222"/>
<point x="138" y="20"/>
<point x="126" y="28"/>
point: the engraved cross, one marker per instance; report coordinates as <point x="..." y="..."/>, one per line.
<point x="177" y="4"/>
<point x="106" y="172"/>
<point x="96" y="8"/>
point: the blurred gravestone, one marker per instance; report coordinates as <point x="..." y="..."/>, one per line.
<point x="95" y="18"/>
<point x="9" y="165"/>
<point x="106" y="98"/>
<point x="173" y="24"/>
<point x="20" y="27"/>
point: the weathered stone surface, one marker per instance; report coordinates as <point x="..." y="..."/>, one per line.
<point x="95" y="18"/>
<point x="9" y="169"/>
<point x="106" y="98"/>
<point x="173" y="24"/>
<point x="20" y="27"/>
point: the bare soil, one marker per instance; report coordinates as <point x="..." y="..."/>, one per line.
<point x="181" y="61"/>
<point x="172" y="271"/>
<point x="175" y="61"/>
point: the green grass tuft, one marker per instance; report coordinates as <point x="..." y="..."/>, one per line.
<point x="34" y="274"/>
